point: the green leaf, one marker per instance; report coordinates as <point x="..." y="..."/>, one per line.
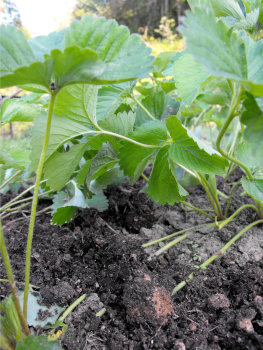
<point x="250" y="155"/>
<point x="75" y="66"/>
<point x="14" y="50"/>
<point x="227" y="8"/>
<point x="158" y="104"/>
<point x="42" y="45"/>
<point x="77" y="102"/>
<point x="163" y="186"/>
<point x="38" y="73"/>
<point x="124" y="54"/>
<point x="109" y="100"/>
<point x="18" y="111"/>
<point x="60" y="166"/>
<point x="105" y="159"/>
<point x="83" y="172"/>
<point x="99" y="202"/>
<point x="188" y="76"/>
<point x="212" y="44"/>
<point x="61" y="130"/>
<point x="253" y="118"/>
<point x="162" y="61"/>
<point x="187" y="150"/>
<point x="133" y="158"/>
<point x="121" y="124"/>
<point x="39" y="343"/>
<point x="168" y="71"/>
<point x="65" y="204"/>
<point x="106" y="179"/>
<point x="14" y="158"/>
<point x="254" y="188"/>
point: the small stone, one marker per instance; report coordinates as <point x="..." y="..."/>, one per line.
<point x="245" y="325"/>
<point x="192" y="327"/>
<point x="179" y="345"/>
<point x="219" y="301"/>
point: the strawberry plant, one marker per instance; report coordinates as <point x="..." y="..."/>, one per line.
<point x="102" y="122"/>
<point x="87" y="54"/>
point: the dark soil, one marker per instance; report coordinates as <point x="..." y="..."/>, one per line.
<point x="101" y="254"/>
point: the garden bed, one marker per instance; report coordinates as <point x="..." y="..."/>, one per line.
<point x="101" y="254"/>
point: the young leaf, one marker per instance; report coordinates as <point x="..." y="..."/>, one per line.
<point x="158" y="104"/>
<point x="77" y="102"/>
<point x="163" y="186"/>
<point x="105" y="159"/>
<point x="65" y="204"/>
<point x="122" y="123"/>
<point x="81" y="176"/>
<point x="133" y="158"/>
<point x="188" y="76"/>
<point x="18" y="111"/>
<point x="108" y="178"/>
<point x="110" y="98"/>
<point x="187" y="150"/>
<point x="227" y="8"/>
<point x="161" y="62"/>
<point x="60" y="166"/>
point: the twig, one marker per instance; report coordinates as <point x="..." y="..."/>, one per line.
<point x="108" y="225"/>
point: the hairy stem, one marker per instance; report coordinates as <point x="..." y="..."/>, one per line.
<point x="231" y="115"/>
<point x="10" y="179"/>
<point x="35" y="199"/>
<point x="12" y="281"/>
<point x="216" y="255"/>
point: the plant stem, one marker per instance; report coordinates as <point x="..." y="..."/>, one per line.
<point x="145" y="178"/>
<point x="169" y="245"/>
<point x="224" y="223"/>
<point x="72" y="307"/>
<point x="218" y="211"/>
<point x="176" y="234"/>
<point x="12" y="281"/>
<point x="197" y="209"/>
<point x="142" y="106"/>
<point x="35" y="199"/>
<point x="208" y="193"/>
<point x="216" y="255"/>
<point x="231" y="169"/>
<point x="190" y="211"/>
<point x="5" y="344"/>
<point x="19" y="196"/>
<point x="231" y="115"/>
<point x="8" y="205"/>
<point x="10" y="179"/>
<point x="260" y="209"/>
<point x="230" y="197"/>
